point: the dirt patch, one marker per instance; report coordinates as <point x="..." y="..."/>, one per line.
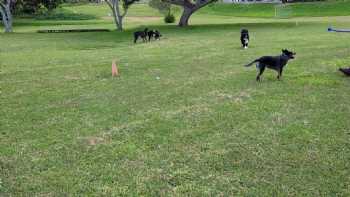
<point x="137" y="18"/>
<point x="92" y="141"/>
<point x="143" y="18"/>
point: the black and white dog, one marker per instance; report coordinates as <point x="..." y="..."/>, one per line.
<point x="141" y="34"/>
<point x="276" y="63"/>
<point x="244" y="38"/>
<point x="154" y="34"/>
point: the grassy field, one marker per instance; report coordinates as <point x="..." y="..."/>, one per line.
<point x="337" y="8"/>
<point x="185" y="118"/>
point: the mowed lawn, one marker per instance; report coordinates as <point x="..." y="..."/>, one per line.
<point x="185" y="118"/>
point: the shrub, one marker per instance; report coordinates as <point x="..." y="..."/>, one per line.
<point x="41" y="10"/>
<point x="169" y="18"/>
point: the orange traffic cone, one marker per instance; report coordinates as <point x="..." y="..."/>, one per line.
<point x="115" y="71"/>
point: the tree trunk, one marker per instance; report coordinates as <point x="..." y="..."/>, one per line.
<point x="6" y="16"/>
<point x="118" y="18"/>
<point x="186" y="14"/>
<point x="9" y="18"/>
<point x="120" y="23"/>
<point x="115" y="17"/>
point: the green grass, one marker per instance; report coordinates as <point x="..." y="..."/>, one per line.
<point x="338" y="8"/>
<point x="98" y="15"/>
<point x="102" y="10"/>
<point x="185" y="118"/>
<point x="65" y="14"/>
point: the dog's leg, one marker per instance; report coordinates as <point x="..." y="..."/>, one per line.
<point x="135" y="39"/>
<point x="261" y="68"/>
<point x="279" y="74"/>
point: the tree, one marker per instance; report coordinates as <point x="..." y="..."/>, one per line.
<point x="5" y="10"/>
<point x="189" y="7"/>
<point x="33" y="7"/>
<point x="163" y="6"/>
<point x="117" y="14"/>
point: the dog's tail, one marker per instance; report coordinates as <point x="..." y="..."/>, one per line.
<point x="251" y="63"/>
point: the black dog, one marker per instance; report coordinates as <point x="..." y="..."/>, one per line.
<point x="141" y="34"/>
<point x="273" y="62"/>
<point x="154" y="34"/>
<point x="346" y="71"/>
<point x="244" y="38"/>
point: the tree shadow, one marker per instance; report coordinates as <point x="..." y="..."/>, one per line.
<point x="216" y="27"/>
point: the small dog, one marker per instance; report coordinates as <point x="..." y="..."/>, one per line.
<point x="273" y="62"/>
<point x="244" y="38"/>
<point x="154" y="34"/>
<point x="141" y="34"/>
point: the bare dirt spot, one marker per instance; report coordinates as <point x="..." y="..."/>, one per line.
<point x="92" y="140"/>
<point x="143" y="18"/>
<point x="137" y="18"/>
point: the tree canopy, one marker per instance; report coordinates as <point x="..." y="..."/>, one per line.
<point x="31" y="7"/>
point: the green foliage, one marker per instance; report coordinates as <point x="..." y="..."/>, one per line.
<point x="35" y="7"/>
<point x="169" y="18"/>
<point x="127" y="3"/>
<point x="41" y="10"/>
<point x="164" y="8"/>
<point x="64" y="14"/>
<point x="160" y="5"/>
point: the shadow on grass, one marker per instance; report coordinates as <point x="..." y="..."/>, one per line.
<point x="125" y="38"/>
<point x="168" y="31"/>
<point x="218" y="27"/>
